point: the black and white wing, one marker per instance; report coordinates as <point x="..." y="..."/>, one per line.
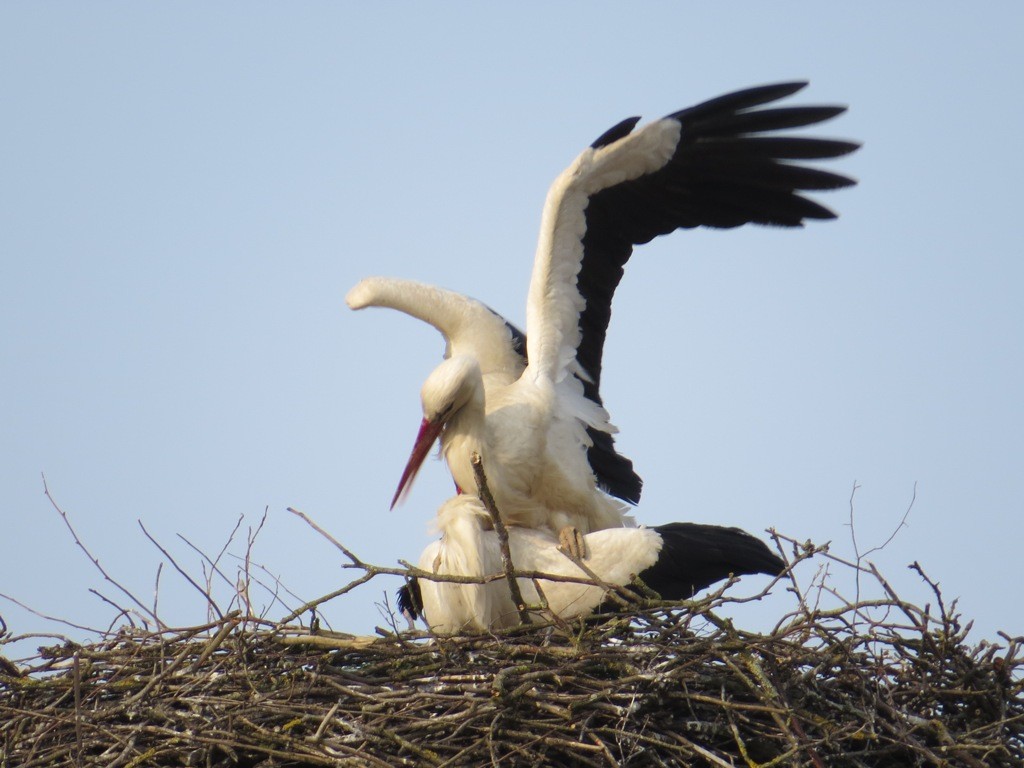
<point x="709" y="165"/>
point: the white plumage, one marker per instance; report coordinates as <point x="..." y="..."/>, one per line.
<point x="468" y="546"/>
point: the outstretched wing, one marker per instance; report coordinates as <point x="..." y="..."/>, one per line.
<point x="469" y="327"/>
<point x="708" y="165"/>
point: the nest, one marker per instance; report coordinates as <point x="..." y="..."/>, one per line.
<point x="863" y="684"/>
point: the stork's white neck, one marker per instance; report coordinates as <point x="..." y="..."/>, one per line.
<point x="463" y="436"/>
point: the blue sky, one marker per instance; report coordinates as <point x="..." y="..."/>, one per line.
<point x="187" y="193"/>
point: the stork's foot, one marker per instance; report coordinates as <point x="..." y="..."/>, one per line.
<point x="571" y="543"/>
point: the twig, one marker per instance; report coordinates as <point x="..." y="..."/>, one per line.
<point x="275" y="593"/>
<point x="230" y="622"/>
<point x="245" y="578"/>
<point x="231" y="537"/>
<point x="309" y="521"/>
<point x="56" y="620"/>
<point x="484" y="493"/>
<point x="206" y="595"/>
<point x="95" y="561"/>
<point x="77" y="684"/>
<point x="156" y="588"/>
<point x="310" y="605"/>
<point x="212" y="562"/>
<point x="128" y="613"/>
<point x="858" y="556"/>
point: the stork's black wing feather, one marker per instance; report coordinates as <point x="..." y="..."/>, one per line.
<point x="722" y="174"/>
<point x="694" y="556"/>
<point x="616" y="132"/>
<point x="410" y="599"/>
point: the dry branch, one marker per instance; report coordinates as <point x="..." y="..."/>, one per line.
<point x="484" y="492"/>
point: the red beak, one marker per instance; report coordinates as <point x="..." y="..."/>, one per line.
<point x="428" y="434"/>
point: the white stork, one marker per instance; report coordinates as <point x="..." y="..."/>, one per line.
<point x="675" y="560"/>
<point x="539" y="422"/>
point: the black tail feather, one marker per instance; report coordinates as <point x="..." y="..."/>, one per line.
<point x="410" y="600"/>
<point x="695" y="556"/>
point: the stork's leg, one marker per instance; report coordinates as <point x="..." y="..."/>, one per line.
<point x="570" y="541"/>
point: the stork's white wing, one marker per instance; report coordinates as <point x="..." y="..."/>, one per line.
<point x="469" y="326"/>
<point x="555" y="302"/>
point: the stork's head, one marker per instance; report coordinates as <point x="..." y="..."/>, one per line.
<point x="450" y="388"/>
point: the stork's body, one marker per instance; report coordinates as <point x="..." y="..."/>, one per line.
<point x="538" y="421"/>
<point x="675" y="560"/>
<point x="516" y="430"/>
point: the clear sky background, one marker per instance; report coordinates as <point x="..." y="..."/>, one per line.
<point x="187" y="192"/>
